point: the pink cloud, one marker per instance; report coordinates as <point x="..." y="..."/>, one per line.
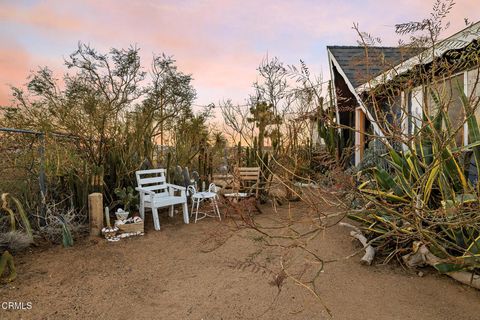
<point x="14" y="63"/>
<point x="46" y="15"/>
<point x="220" y="42"/>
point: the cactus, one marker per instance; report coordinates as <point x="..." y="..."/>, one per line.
<point x="67" y="238"/>
<point x="205" y="165"/>
<point x="186" y="177"/>
<point x="127" y="196"/>
<point x="239" y="154"/>
<point x="328" y="132"/>
<point x="225" y="157"/>
<point x="210" y="165"/>
<point x="13" y="239"/>
<point x="178" y="175"/>
<point x="20" y="211"/>
<point x="265" y="173"/>
<point x="199" y="163"/>
<point x="6" y="261"/>
<point x="196" y="177"/>
<point x="169" y="160"/>
<point x="98" y="173"/>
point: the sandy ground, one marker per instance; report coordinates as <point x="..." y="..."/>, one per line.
<point x="214" y="270"/>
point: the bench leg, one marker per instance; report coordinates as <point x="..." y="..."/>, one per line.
<point x="156" y="220"/>
<point x="171" y="211"/>
<point x="215" y="208"/>
<point x="185" y="213"/>
<point x="142" y="210"/>
<point x="196" y="211"/>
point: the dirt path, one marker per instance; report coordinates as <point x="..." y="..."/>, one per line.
<point x="212" y="270"/>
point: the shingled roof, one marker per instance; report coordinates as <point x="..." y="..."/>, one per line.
<point x="352" y="60"/>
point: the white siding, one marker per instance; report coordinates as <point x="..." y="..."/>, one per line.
<point x="417" y="103"/>
<point x="473" y="83"/>
<point x="472" y="90"/>
<point x="405" y="116"/>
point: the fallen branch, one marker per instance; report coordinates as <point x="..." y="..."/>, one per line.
<point x="367" y="259"/>
<point x="422" y="256"/>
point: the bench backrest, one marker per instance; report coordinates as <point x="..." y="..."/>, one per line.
<point x="153" y="180"/>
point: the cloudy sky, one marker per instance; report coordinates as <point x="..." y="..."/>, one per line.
<point x="220" y="42"/>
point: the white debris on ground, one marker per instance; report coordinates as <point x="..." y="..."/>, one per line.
<point x="114" y="234"/>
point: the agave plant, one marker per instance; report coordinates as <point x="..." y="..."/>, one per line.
<point x="11" y="239"/>
<point x="16" y="216"/>
<point x="6" y="263"/>
<point x="425" y="195"/>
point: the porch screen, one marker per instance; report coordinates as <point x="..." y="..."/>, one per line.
<point x="473" y="91"/>
<point x="447" y="91"/>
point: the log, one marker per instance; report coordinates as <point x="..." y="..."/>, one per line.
<point x="367" y="258"/>
<point x="95" y="211"/>
<point x="422" y="256"/>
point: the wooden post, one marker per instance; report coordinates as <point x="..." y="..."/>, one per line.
<point x="359" y="135"/>
<point x="95" y="210"/>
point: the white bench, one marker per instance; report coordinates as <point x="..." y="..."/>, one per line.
<point x="156" y="193"/>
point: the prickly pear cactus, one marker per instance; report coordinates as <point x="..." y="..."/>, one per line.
<point x="196" y="177"/>
<point x="178" y="176"/>
<point x="169" y="171"/>
<point x="186" y="177"/>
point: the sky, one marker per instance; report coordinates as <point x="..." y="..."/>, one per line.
<point x="219" y="42"/>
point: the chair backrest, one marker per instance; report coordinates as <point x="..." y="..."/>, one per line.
<point x="248" y="173"/>
<point x="191" y="190"/>
<point x="248" y="177"/>
<point x="212" y="187"/>
<point x="153" y="180"/>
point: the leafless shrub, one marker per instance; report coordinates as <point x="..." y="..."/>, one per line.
<point x="15" y="241"/>
<point x="55" y="219"/>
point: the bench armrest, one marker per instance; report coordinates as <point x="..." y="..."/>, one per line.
<point x="174" y="186"/>
<point x="142" y="190"/>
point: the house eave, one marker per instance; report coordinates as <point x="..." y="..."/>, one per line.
<point x="360" y="102"/>
<point x="457" y="41"/>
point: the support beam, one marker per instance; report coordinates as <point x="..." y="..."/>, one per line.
<point x="359" y="135"/>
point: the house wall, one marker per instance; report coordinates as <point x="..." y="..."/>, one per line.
<point x="359" y="135"/>
<point x="418" y="98"/>
<point x="472" y="90"/>
<point x="416" y="102"/>
<point x="473" y="82"/>
<point x="315" y="137"/>
<point x="346" y="105"/>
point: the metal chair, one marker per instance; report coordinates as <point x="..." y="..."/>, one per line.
<point x="198" y="197"/>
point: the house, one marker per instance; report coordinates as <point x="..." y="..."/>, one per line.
<point x="378" y="85"/>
